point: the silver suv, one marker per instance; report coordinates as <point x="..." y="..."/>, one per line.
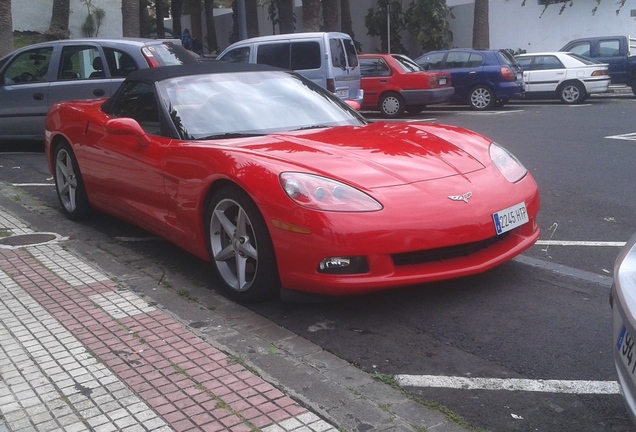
<point x="35" y="77"/>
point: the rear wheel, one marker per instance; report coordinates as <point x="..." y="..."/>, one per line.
<point x="481" y="98"/>
<point x="69" y="184"/>
<point x="392" y="105"/>
<point x="572" y="92"/>
<point x="240" y="246"/>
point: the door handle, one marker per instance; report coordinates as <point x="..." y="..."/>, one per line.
<point x="38" y="96"/>
<point x="99" y="92"/>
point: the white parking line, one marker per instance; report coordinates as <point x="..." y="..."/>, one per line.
<point x="578" y="243"/>
<point x="545" y="386"/>
<point x="629" y="137"/>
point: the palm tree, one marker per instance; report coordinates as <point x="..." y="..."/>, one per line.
<point x="330" y="12"/>
<point x="345" y="19"/>
<point x="6" y="28"/>
<point x="286" y="21"/>
<point x="130" y="18"/>
<point x="58" y="28"/>
<point x="481" y="25"/>
<point x="213" y="44"/>
<point x="311" y="15"/>
<point x="175" y="10"/>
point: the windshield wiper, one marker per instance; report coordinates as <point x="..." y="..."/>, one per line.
<point x="318" y="126"/>
<point x="231" y="135"/>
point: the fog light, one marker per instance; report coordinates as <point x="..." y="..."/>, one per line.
<point x="343" y="265"/>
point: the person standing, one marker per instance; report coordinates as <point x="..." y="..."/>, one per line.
<point x="186" y="39"/>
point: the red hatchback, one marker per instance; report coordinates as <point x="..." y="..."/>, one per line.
<point x="393" y="83"/>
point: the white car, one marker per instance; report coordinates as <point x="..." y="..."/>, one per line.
<point x="562" y="75"/>
<point x="623" y="301"/>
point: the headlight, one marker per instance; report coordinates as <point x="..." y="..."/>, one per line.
<point x="321" y="193"/>
<point x="505" y="162"/>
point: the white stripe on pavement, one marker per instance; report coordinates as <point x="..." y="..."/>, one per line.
<point x="546" y="386"/>
<point x="578" y="243"/>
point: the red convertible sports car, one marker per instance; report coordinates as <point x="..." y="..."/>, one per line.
<point x="279" y="184"/>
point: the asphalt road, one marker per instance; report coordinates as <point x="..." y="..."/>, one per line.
<point x="543" y="318"/>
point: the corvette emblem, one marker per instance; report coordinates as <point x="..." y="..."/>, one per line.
<point x="464" y="197"/>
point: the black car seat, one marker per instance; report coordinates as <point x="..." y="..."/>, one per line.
<point x="99" y="68"/>
<point x="67" y="69"/>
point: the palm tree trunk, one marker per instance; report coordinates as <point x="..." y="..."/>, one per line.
<point x="311" y="15"/>
<point x="286" y="16"/>
<point x="58" y="28"/>
<point x="130" y="18"/>
<point x="251" y="18"/>
<point x="330" y="14"/>
<point x="175" y="10"/>
<point x="6" y="28"/>
<point x="481" y="25"/>
<point x="346" y="25"/>
<point x="213" y="44"/>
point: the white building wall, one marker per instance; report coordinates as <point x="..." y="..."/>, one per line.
<point x="35" y="15"/>
<point x="532" y="29"/>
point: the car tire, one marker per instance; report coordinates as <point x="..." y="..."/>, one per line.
<point x="572" y="92"/>
<point x="415" y="109"/>
<point x="69" y="184"/>
<point x="240" y="246"/>
<point x="391" y="105"/>
<point x="634" y="87"/>
<point x="481" y="98"/>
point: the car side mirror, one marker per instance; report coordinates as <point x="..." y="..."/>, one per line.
<point x="127" y="126"/>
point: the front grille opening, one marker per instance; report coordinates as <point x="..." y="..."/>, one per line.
<point x="445" y="253"/>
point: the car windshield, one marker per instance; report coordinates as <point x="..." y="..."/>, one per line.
<point x="250" y="103"/>
<point x="407" y="64"/>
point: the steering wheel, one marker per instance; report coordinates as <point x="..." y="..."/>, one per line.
<point x="26" y="76"/>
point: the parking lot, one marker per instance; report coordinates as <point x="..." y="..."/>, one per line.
<point x="524" y="347"/>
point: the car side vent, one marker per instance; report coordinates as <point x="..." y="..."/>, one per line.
<point x="445" y="253"/>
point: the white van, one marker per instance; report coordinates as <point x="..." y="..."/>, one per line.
<point x="327" y="58"/>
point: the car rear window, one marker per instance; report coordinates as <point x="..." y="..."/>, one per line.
<point x="407" y="64"/>
<point x="343" y="53"/>
<point x="168" y="53"/>
<point x="506" y="58"/>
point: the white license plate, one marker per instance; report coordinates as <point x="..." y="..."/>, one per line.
<point x="510" y="218"/>
<point x="442" y="81"/>
<point x="625" y="347"/>
<point x="342" y="93"/>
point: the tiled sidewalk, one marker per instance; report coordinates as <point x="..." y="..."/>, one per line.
<point x="80" y="353"/>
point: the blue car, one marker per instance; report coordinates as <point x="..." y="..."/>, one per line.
<point x="484" y="79"/>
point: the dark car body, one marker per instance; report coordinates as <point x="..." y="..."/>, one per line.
<point x="393" y="83"/>
<point x="35" y="77"/>
<point x="482" y="78"/>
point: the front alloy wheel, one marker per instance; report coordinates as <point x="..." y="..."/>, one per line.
<point x="240" y="246"/>
<point x="69" y="185"/>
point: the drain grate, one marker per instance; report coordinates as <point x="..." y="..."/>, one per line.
<point x="27" y="239"/>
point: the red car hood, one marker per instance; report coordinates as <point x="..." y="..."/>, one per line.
<point x="377" y="155"/>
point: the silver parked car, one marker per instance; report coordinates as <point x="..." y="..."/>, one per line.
<point x="35" y="77"/>
<point x="623" y="301"/>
